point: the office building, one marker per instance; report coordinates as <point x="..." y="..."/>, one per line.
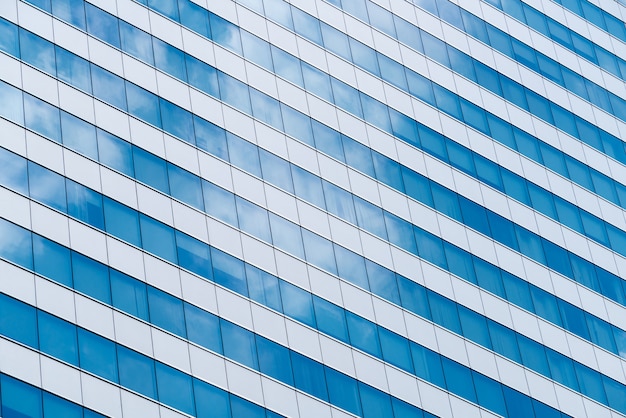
<point x="312" y="208"/>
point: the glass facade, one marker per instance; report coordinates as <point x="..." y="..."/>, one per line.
<point x="271" y="208"/>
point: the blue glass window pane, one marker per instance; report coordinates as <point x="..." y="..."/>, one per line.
<point x="211" y="402"/>
<point x="319" y="251"/>
<point x="346" y="97"/>
<point x="382" y="282"/>
<point x="202" y="76"/>
<point x="474" y="326"/>
<point x="331" y="319"/>
<point x="504" y="341"/>
<point x="253" y="219"/>
<point x="203" y="328"/>
<point x="169" y="59"/>
<point x="57" y="338"/>
<point x="143" y="104"/>
<point x="430" y="247"/>
<point x="244" y="408"/>
<point x="41" y="117"/>
<point x="194" y="17"/>
<point x="37" y="51"/>
<point x="517" y="291"/>
<point x="108" y="87"/>
<point x="136" y="43"/>
<point x="243" y="154"/>
<point x="297" y="124"/>
<point x="14" y="174"/>
<point x="392" y="71"/>
<point x="165" y="7"/>
<point x="335" y="41"/>
<point x="266" y="109"/>
<point x="276" y="170"/>
<point x="615" y="394"/>
<point x="18" y="321"/>
<point x="185" y="186"/>
<point x="459" y="262"/>
<point x="121" y="221"/>
<point x="229" y="271"/>
<point x="166" y="311"/>
<point x="317" y="82"/>
<point x="343" y="391"/>
<point x="309" y="376"/>
<point x="150" y="170"/>
<point x="400" y="232"/>
<point x="220" y="203"/>
<point x="339" y="202"/>
<point x="177" y="121"/>
<point x="97" y="355"/>
<point x="84" y="204"/>
<point x="53" y="406"/>
<point x="158" y="238"/>
<point x="307" y="26"/>
<point x="351" y="267"/>
<point x="115" y="153"/>
<point x="530" y="244"/>
<point x="329" y="141"/>
<point x="417" y="186"/>
<point x="52" y="260"/>
<point x="287" y="66"/>
<point x="71" y="11"/>
<point x="562" y="369"/>
<point x="363" y="334"/>
<point x="79" y="135"/>
<point x="274" y="360"/>
<point x="239" y="344"/>
<point x="375" y="403"/>
<point x="308" y="186"/>
<point x="257" y="50"/>
<point x="446" y="201"/>
<point x="489" y="394"/>
<point x="16" y="244"/>
<point x="129" y="295"/>
<point x="387" y="171"/>
<point x="414" y="297"/>
<point x="91" y="277"/>
<point x="557" y="258"/>
<point x="73" y="69"/>
<point x="376" y="113"/>
<point x="19" y="400"/>
<point x="404" y="128"/>
<point x="502" y="230"/>
<point x="102" y="25"/>
<point x="225" y="33"/>
<point x="601" y="333"/>
<point x="573" y="319"/>
<point x="11" y="103"/>
<point x="395" y="349"/>
<point x="193" y="255"/>
<point x="488" y="276"/>
<point x="517" y="404"/>
<point x="444" y="312"/>
<point x="427" y="365"/>
<point x="137" y="372"/>
<point x="370" y="217"/>
<point x="175" y="388"/>
<point x="286" y="235"/>
<point x="590" y="383"/>
<point x="297" y="303"/>
<point x="459" y="379"/>
<point x="9" y="40"/>
<point x="211" y="138"/>
<point x="264" y="288"/>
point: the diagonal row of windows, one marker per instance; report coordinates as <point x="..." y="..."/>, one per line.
<point x="592" y="13"/>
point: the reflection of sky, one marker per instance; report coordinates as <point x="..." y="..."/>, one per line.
<point x="42" y="118"/>
<point x="13" y="241"/>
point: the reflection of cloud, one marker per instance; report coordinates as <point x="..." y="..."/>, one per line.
<point x="14" y="241"/>
<point x="47" y="186"/>
<point x="42" y="118"/>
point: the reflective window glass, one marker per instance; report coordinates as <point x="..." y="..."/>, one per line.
<point x="97" y="355"/>
<point x="297" y="303"/>
<point x="309" y="376"/>
<point x="264" y="288"/>
<point x="143" y="104"/>
<point x="57" y="338"/>
<point x="150" y="169"/>
<point x="53" y="406"/>
<point x="331" y="319"/>
<point x="129" y="295"/>
<point x="239" y="344"/>
<point x="19" y="399"/>
<point x="211" y="402"/>
<point x="363" y="334"/>
<point x="115" y="153"/>
<point x="203" y="328"/>
<point x="42" y="118"/>
<point x="175" y="388"/>
<point x="166" y="311"/>
<point x="121" y="221"/>
<point x="274" y="360"/>
<point x="102" y="25"/>
<point x="18" y="321"/>
<point x="229" y="271"/>
<point x="136" y="43"/>
<point x="108" y="87"/>
<point x="14" y="174"/>
<point x="193" y="255"/>
<point x="185" y="186"/>
<point x="225" y="33"/>
<point x="37" y="51"/>
<point x="73" y="69"/>
<point x="137" y="372"/>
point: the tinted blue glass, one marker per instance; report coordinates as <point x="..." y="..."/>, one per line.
<point x="115" y="153"/>
<point x="306" y="25"/>
<point x="395" y="349"/>
<point x="20" y="400"/>
<point x="343" y="391"/>
<point x="175" y="388"/>
<point x="10" y="103"/>
<point x="194" y="17"/>
<point x="382" y="282"/>
<point x="430" y="247"/>
<point x="376" y="404"/>
<point x="370" y="217"/>
<point x="102" y="25"/>
<point x="459" y="379"/>
<point x="225" y="33"/>
<point x="331" y="319"/>
<point x="108" y="87"/>
<point x="489" y="393"/>
<point x="346" y="97"/>
<point x="297" y="124"/>
<point x="363" y="334"/>
<point x="143" y="104"/>
<point x="286" y="235"/>
<point x="166" y="311"/>
<point x="18" y="321"/>
<point x="276" y="170"/>
<point x="37" y="51"/>
<point x="503" y="340"/>
<point x="211" y="402"/>
<point x="319" y="251"/>
<point x="185" y="186"/>
<point x="615" y="394"/>
<point x="243" y="154"/>
<point x="517" y="291"/>
<point x="474" y="326"/>
<point x="253" y="219"/>
<point x="256" y="50"/>
<point x="193" y="255"/>
<point x="339" y="202"/>
<point x="264" y="288"/>
<point x="202" y="76"/>
<point x="562" y="369"/>
<point x="203" y="328"/>
<point x="53" y="406"/>
<point x="287" y="66"/>
<point x="79" y="135"/>
<point x="129" y="295"/>
<point x="84" y="204"/>
<point x="317" y="82"/>
<point x="72" y="11"/>
<point x="308" y="186"/>
<point x="73" y="69"/>
<point x="151" y="170"/>
<point x="169" y="59"/>
<point x="14" y="174"/>
<point x="351" y="267"/>
<point x="590" y="382"/>
<point x="219" y="203"/>
<point x="242" y="408"/>
<point x="57" y="338"/>
<point x="400" y="232"/>
<point x="427" y="365"/>
<point x="136" y="43"/>
<point x="9" y="41"/>
<point x="42" y="117"/>
<point x="121" y="221"/>
<point x="137" y="372"/>
<point x="444" y="312"/>
<point x="517" y="405"/>
<point x="229" y="271"/>
<point x="16" y="244"/>
<point x="97" y="355"/>
<point x="266" y="109"/>
<point x="91" y="277"/>
<point x="274" y="360"/>
<point x="239" y="344"/>
<point x="309" y="376"/>
<point x="414" y="297"/>
<point x="211" y="138"/>
<point x="52" y="260"/>
<point x="336" y="41"/>
<point x="297" y="303"/>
